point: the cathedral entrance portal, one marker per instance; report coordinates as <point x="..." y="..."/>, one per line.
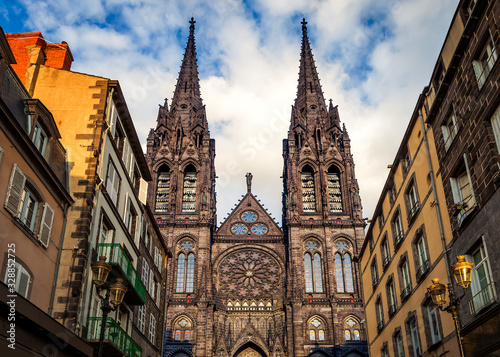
<point x="249" y="350"/>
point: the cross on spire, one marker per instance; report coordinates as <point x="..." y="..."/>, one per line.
<point x="191" y="27"/>
<point x="304" y="23"/>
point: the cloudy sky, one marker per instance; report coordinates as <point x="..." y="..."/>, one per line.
<point x="373" y="56"/>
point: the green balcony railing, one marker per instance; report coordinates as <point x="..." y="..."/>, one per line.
<point x="113" y="334"/>
<point x="114" y="253"/>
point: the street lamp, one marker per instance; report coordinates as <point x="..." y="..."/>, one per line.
<point x="114" y="293"/>
<point x="462" y="272"/>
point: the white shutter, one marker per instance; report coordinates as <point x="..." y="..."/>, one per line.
<point x="137" y="233"/>
<point x="126" y="153"/>
<point x="1" y="154"/>
<point x="143" y="190"/>
<point x="126" y="210"/>
<point x="495" y="123"/>
<point x="24" y="282"/>
<point x="46" y="225"/>
<point x="15" y="191"/>
<point x="151" y="284"/>
<point x="478" y="70"/>
<point x="145" y="271"/>
<point x="158" y="294"/>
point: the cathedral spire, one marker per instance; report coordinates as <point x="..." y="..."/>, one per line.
<point x="309" y="93"/>
<point x="187" y="91"/>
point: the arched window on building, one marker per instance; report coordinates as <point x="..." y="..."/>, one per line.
<point x="308" y="190"/>
<point x="182" y="329"/>
<point x="351" y="328"/>
<point x="339" y="273"/>
<point x="163" y="189"/>
<point x="313" y="269"/>
<point x="185" y="268"/>
<point x="343" y="268"/>
<point x="316" y="328"/>
<point x="334" y="189"/>
<point x="189" y="190"/>
<point x="349" y="283"/>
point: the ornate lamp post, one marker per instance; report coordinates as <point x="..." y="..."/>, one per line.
<point x="462" y="272"/>
<point x="114" y="293"/>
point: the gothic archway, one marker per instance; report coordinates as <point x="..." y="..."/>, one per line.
<point x="250" y="350"/>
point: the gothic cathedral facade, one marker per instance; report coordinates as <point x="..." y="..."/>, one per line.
<point x="250" y="287"/>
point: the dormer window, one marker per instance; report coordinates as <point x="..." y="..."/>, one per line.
<point x="40" y="138"/>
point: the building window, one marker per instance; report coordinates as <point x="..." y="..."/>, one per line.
<point x="483" y="291"/>
<point x="182" y="328"/>
<point x="347" y="335"/>
<point x="415" y="348"/>
<point x="19" y="277"/>
<point x="189" y="190"/>
<point x="40" y="138"/>
<point x="392" y="195"/>
<point x="406" y="163"/>
<point x="141" y="319"/>
<point x="356" y="335"/>
<point x="397" y="229"/>
<point x="349" y="282"/>
<point x="495" y="124"/>
<point x="185" y="273"/>
<point x="421" y="256"/>
<point x="334" y="189"/>
<point x="461" y="188"/>
<point x="449" y="128"/>
<point x="113" y="182"/>
<point x="391" y="296"/>
<point x="163" y="189"/>
<point x="145" y="272"/>
<point x="339" y="274"/>
<point x="397" y="339"/>
<point x="23" y="201"/>
<point x="308" y="190"/>
<point x="384" y="352"/>
<point x="374" y="271"/>
<point x="411" y="198"/>
<point x="152" y="328"/>
<point x="405" y="281"/>
<point x="485" y="61"/>
<point x="385" y="252"/>
<point x="313" y="273"/>
<point x="316" y="327"/>
<point x="432" y="315"/>
<point x="379" y="311"/>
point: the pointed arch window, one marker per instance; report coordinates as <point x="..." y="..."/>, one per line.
<point x="334" y="189"/>
<point x="308" y="189"/>
<point x="163" y="189"/>
<point x="339" y="273"/>
<point x="189" y="190"/>
<point x="343" y="273"/>
<point x="185" y="273"/>
<point x="183" y="327"/>
<point x="316" y="328"/>
<point x="313" y="273"/>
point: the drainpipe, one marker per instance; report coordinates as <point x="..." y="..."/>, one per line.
<point x="56" y="273"/>
<point x="434" y="193"/>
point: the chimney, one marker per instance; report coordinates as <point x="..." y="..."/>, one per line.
<point x="58" y="55"/>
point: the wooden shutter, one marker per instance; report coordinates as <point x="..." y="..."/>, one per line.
<point x="22" y="280"/>
<point x="151" y="288"/>
<point x="143" y="190"/>
<point x="15" y="191"/>
<point x="46" y="225"/>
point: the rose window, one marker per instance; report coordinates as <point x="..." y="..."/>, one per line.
<point x="239" y="229"/>
<point x="249" y="217"/>
<point x="259" y="229"/>
<point x="249" y="274"/>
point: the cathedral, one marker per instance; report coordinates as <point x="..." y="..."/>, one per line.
<point x="251" y="287"/>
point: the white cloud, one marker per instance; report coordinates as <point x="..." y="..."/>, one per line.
<point x="373" y="57"/>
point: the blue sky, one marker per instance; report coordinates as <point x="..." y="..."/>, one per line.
<point x="374" y="57"/>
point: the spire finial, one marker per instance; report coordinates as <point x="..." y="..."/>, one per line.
<point x="191" y="27"/>
<point x="304" y="27"/>
<point x="249" y="177"/>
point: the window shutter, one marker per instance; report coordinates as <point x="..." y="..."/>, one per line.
<point x="478" y="70"/>
<point x="137" y="233"/>
<point x="46" y="225"/>
<point x="158" y="294"/>
<point x="151" y="283"/>
<point x="1" y="154"/>
<point x="15" y="191"/>
<point x="24" y="280"/>
<point x="126" y="210"/>
<point x="143" y="190"/>
<point x="145" y="270"/>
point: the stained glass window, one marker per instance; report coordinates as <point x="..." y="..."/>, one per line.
<point x="181" y="263"/>
<point x="239" y="229"/>
<point x="348" y="273"/>
<point x="308" y="273"/>
<point x="356" y="335"/>
<point x="177" y="335"/>
<point x="347" y="335"/>
<point x="190" y="273"/>
<point x="187" y="333"/>
<point x="312" y="335"/>
<point x="338" y="273"/>
<point x="318" y="280"/>
<point x="321" y="335"/>
<point x="259" y="229"/>
<point x="249" y="217"/>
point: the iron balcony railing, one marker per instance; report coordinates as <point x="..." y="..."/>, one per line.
<point x="114" y="334"/>
<point x="406" y="291"/>
<point x="422" y="270"/>
<point x="115" y="254"/>
<point x="380" y="325"/>
<point x="482" y="298"/>
<point x="392" y="309"/>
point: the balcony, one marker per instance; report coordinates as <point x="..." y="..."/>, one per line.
<point x="406" y="292"/>
<point x="422" y="270"/>
<point x="482" y="299"/>
<point x="380" y="325"/>
<point x="386" y="260"/>
<point x="116" y="341"/>
<point x="123" y="268"/>
<point x="392" y="309"/>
